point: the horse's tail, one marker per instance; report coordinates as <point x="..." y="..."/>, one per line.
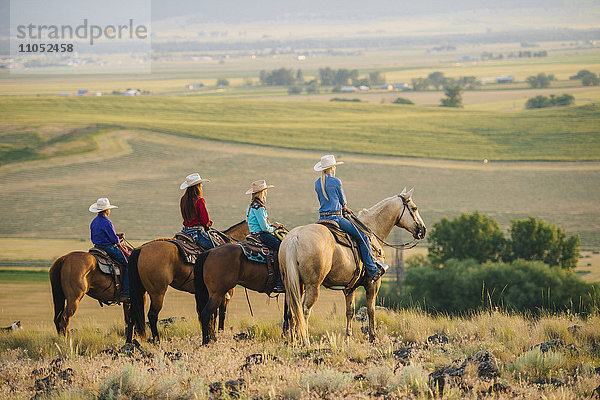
<point x="200" y="289"/>
<point x="137" y="292"/>
<point x="58" y="296"/>
<point x="293" y="287"/>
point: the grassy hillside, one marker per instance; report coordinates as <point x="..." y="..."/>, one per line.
<point x="552" y="134"/>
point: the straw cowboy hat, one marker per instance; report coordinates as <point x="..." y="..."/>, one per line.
<point x="100" y="205"/>
<point x="258" y="186"/>
<point x="191" y="180"/>
<point x="327" y="161"/>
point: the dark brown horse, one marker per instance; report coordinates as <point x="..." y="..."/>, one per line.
<point x="218" y="271"/>
<point x="74" y="275"/>
<point x="155" y="266"/>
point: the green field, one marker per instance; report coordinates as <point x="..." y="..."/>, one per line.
<point x="565" y="134"/>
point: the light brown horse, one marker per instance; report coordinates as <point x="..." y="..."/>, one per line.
<point x="155" y="266"/>
<point x="310" y="257"/>
<point x="74" y="275"/>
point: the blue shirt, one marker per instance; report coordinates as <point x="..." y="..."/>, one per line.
<point x="335" y="193"/>
<point x="103" y="231"/>
<point x="256" y="216"/>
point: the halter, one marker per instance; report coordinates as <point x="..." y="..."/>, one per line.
<point x="405" y="246"/>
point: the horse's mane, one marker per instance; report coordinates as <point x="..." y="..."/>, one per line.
<point x="364" y="210"/>
<point x="235" y="225"/>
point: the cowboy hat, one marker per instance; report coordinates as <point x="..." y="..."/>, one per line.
<point x="100" y="205"/>
<point x="327" y="161"/>
<point x="258" y="186"/>
<point x="191" y="180"/>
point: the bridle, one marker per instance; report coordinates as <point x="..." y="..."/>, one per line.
<point x="404" y="246"/>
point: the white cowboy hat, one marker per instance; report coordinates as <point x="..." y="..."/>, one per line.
<point x="258" y="186"/>
<point x="327" y="161"/>
<point x="100" y="205"/>
<point x="191" y="180"/>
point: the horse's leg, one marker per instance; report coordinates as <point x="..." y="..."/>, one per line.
<point x="70" y="309"/>
<point x="223" y="309"/>
<point x="128" y="324"/>
<point x="156" y="303"/>
<point x="371" y="290"/>
<point x="287" y="317"/>
<point x="349" y="312"/>
<point x="310" y="298"/>
<point x="207" y="319"/>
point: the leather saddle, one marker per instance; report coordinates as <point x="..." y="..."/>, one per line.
<point x="255" y="250"/>
<point x="343" y="238"/>
<point x="109" y="266"/>
<point x="188" y="249"/>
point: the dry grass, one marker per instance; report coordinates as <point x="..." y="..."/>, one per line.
<point x="181" y="368"/>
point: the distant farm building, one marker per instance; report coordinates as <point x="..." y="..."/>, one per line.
<point x="131" y="92"/>
<point x="386" y="86"/>
<point x="195" y="85"/>
<point x="402" y="86"/>
<point x="98" y="94"/>
<point x="364" y="87"/>
<point x="505" y="79"/>
<point x="82" y="92"/>
<point x="348" y="89"/>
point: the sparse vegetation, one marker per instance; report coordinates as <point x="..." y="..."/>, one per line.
<point x="552" y="101"/>
<point x="402" y="100"/>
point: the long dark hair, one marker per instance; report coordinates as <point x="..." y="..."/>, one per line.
<point x="187" y="204"/>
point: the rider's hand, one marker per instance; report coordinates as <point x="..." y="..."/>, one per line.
<point x="120" y="235"/>
<point x="347" y="210"/>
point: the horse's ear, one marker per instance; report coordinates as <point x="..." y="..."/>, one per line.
<point x="403" y="191"/>
<point x="410" y="192"/>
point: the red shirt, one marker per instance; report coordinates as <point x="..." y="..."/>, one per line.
<point x="200" y="215"/>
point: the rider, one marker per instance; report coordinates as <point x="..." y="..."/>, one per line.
<point x="333" y="202"/>
<point x="104" y="237"/>
<point x="258" y="222"/>
<point x="193" y="210"/>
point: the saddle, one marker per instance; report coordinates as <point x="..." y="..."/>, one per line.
<point x="255" y="250"/>
<point x="190" y="250"/>
<point x="109" y="266"/>
<point x="343" y="238"/>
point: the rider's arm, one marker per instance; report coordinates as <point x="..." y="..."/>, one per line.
<point x="110" y="232"/>
<point x="203" y="212"/>
<point x="261" y="217"/>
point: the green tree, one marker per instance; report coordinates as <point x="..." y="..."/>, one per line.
<point x="590" y="79"/>
<point x="533" y="239"/>
<point x="222" y="82"/>
<point x="437" y="79"/>
<point x="420" y="84"/>
<point x="540" y="80"/>
<point x="279" y="77"/>
<point x="376" y="78"/>
<point x="299" y="76"/>
<point x="313" y="87"/>
<point x="294" y="90"/>
<point x="453" y="96"/>
<point x="475" y="236"/>
<point x="402" y="100"/>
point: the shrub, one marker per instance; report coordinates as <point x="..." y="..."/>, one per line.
<point x="328" y="381"/>
<point x="552" y="101"/>
<point x="414" y="379"/>
<point x="463" y="285"/>
<point x="402" y="100"/>
<point x="222" y="82"/>
<point x="355" y="100"/>
<point x="540" y="80"/>
<point x="294" y="90"/>
<point x="536" y="365"/>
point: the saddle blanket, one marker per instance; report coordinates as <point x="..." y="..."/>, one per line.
<point x="256" y="251"/>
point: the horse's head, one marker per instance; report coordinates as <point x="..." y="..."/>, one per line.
<point x="408" y="217"/>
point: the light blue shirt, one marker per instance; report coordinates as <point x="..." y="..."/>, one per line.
<point x="256" y="216"/>
<point x="335" y="193"/>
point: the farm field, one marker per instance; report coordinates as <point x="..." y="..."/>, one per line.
<point x="560" y="134"/>
<point x="125" y="168"/>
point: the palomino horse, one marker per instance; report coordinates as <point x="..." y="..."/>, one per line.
<point x="218" y="271"/>
<point x="309" y="257"/>
<point x="74" y="275"/>
<point x="155" y="266"/>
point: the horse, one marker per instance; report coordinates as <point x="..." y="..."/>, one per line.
<point x="74" y="275"/>
<point x="310" y="257"/>
<point x="216" y="272"/>
<point x="155" y="266"/>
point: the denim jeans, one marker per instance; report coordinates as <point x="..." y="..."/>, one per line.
<point x="118" y="255"/>
<point x="200" y="237"/>
<point x="269" y="239"/>
<point x="362" y="239"/>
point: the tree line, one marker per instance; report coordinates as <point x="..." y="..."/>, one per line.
<point x="471" y="264"/>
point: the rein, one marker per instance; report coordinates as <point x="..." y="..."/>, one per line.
<point x="404" y="246"/>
